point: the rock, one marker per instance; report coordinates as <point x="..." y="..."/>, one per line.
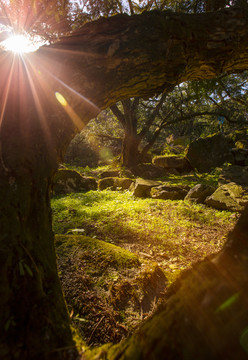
<point x="142" y="188"/>
<point x="106" y="183"/>
<point x="230" y="196"/>
<point x="242" y="144"/>
<point x="174" y="162"/>
<point x="237" y="174"/>
<point x="181" y="141"/>
<point x="68" y="181"/>
<point x="238" y="193"/>
<point x="109" y="173"/>
<point x="148" y="171"/>
<point x="199" y="193"/>
<point x="239" y="156"/>
<point x="207" y="153"/>
<point x="169" y="192"/>
<point x="115" y="183"/>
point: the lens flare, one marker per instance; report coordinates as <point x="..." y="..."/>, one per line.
<point x="19" y="44"/>
<point x="60" y="98"/>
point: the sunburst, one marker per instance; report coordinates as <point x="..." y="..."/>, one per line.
<point x="20" y="44"/>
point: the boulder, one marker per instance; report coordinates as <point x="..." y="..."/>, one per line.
<point x="242" y="144"/>
<point x="238" y="193"/>
<point x="172" y="162"/>
<point x="109" y="173"/>
<point x="239" y="156"/>
<point x="231" y="196"/>
<point x="207" y="153"/>
<point x="115" y="183"/>
<point x="181" y="141"/>
<point x="169" y="192"/>
<point x="149" y="171"/>
<point x="234" y="173"/>
<point x="142" y="188"/>
<point x="199" y="193"/>
<point x="68" y="181"/>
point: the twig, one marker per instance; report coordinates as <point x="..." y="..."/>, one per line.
<point x="99" y="322"/>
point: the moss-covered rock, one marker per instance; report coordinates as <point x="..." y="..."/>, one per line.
<point x="234" y="173"/>
<point x="172" y="162"/>
<point x="199" y="193"/>
<point x="142" y="188"/>
<point x="169" y="192"/>
<point x="68" y="181"/>
<point x="207" y="153"/>
<point x="239" y="156"/>
<point x="230" y="196"/>
<point x="109" y="173"/>
<point x="115" y="183"/>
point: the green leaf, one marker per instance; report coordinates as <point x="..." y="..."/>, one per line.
<point x="27" y="268"/>
<point x="21" y="269"/>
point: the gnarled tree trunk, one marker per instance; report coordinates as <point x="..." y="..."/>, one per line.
<point x="46" y="98"/>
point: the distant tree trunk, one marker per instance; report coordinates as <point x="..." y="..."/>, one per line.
<point x="130" y="151"/>
<point x="49" y="96"/>
<point x="131" y="140"/>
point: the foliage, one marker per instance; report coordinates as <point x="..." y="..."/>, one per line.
<point x="48" y="19"/>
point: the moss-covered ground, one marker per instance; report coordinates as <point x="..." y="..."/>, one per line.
<point x="117" y="255"/>
<point x="172" y="233"/>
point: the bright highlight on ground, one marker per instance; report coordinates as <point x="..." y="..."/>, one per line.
<point x="19" y="44"/>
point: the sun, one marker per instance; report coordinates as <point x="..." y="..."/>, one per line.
<point x="19" y="44"/>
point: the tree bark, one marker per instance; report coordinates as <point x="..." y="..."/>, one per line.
<point x="33" y="315"/>
<point x="129" y="56"/>
<point x="49" y="96"/>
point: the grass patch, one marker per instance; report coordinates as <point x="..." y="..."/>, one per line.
<point x="174" y="233"/>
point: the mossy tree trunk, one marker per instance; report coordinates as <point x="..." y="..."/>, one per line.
<point x="46" y="98"/>
<point x="33" y="315"/>
<point x="131" y="141"/>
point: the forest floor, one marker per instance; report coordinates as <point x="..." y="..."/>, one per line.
<point x="117" y="255"/>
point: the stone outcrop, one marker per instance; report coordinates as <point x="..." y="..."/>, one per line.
<point x="68" y="181"/>
<point x="199" y="193"/>
<point x="230" y="196"/>
<point x="239" y="157"/>
<point x="169" y="192"/>
<point x="207" y="153"/>
<point x="109" y="173"/>
<point x="115" y="183"/>
<point x="235" y="173"/>
<point x="142" y="188"/>
<point x="172" y="162"/>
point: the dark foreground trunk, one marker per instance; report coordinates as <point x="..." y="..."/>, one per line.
<point x="32" y="308"/>
<point x="33" y="315"/>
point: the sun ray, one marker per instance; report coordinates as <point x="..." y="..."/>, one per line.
<point x="6" y="92"/>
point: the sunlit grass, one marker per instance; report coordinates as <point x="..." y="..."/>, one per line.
<point x="118" y="217"/>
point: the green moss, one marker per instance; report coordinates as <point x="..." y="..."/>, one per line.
<point x="101" y="251"/>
